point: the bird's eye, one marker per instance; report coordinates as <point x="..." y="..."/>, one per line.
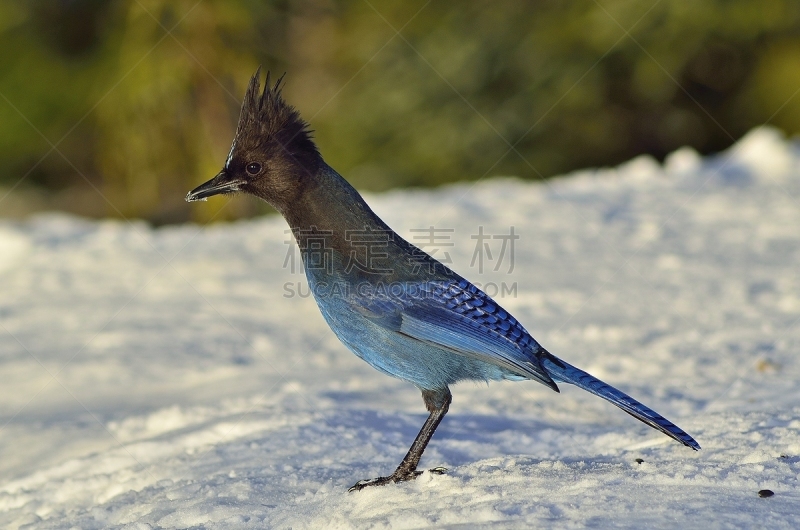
<point x="253" y="168"/>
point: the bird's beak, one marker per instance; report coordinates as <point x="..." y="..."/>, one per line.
<point x="222" y="183"/>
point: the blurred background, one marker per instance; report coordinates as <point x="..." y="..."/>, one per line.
<point x="119" y="107"/>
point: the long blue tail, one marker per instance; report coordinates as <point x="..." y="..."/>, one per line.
<point x="566" y="373"/>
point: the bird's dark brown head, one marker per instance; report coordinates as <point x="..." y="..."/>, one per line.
<point x="273" y="155"/>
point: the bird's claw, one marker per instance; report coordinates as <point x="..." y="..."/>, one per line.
<point x="395" y="477"/>
<point x="380" y="481"/>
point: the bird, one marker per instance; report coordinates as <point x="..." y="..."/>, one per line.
<point x="393" y="305"/>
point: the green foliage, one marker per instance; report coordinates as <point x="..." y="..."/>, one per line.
<point x="119" y="107"/>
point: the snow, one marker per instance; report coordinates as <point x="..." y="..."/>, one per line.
<point x="166" y="378"/>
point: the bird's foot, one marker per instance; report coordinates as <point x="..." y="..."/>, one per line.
<point x="394" y="477"/>
<point x="382" y="481"/>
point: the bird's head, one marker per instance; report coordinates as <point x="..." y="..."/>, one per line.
<point x="273" y="155"/>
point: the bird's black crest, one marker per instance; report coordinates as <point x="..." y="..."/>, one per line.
<point x="267" y="119"/>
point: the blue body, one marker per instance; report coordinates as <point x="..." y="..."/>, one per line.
<point x="366" y="327"/>
<point x="413" y="318"/>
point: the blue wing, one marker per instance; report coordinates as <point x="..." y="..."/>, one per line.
<point x="457" y="316"/>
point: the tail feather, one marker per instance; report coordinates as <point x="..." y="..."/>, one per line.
<point x="566" y="373"/>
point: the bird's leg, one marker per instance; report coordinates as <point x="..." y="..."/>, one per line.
<point x="437" y="403"/>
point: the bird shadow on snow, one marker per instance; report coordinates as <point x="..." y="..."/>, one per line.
<point x="461" y="439"/>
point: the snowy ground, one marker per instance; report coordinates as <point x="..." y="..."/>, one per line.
<point x="167" y="379"/>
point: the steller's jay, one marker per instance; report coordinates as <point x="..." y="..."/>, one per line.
<point x="393" y="305"/>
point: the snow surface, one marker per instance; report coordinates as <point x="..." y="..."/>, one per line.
<point x="165" y="379"/>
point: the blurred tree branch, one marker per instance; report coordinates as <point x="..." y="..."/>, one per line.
<point x="141" y="96"/>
